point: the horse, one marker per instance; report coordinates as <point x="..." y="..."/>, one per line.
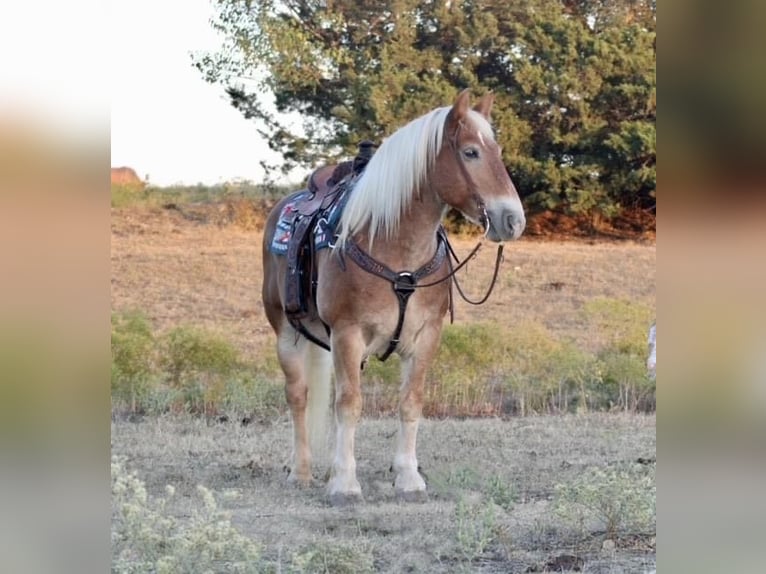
<point x="361" y="306"/>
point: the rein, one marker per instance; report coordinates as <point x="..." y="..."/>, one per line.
<point x="405" y="283"/>
<point x="498" y="260"/>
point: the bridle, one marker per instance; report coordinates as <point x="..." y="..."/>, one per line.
<point x="405" y="283"/>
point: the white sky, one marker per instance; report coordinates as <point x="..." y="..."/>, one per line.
<point x="166" y="121"/>
<point x="50" y="74"/>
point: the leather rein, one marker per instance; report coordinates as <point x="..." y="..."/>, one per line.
<point x="404" y="283"/>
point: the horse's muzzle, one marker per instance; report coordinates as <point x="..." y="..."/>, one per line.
<point x="506" y="222"/>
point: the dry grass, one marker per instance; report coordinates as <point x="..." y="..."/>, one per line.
<point x="492" y="485"/>
<point x="183" y="271"/>
<point x="492" y="482"/>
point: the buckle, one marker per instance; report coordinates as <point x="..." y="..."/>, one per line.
<point x="405" y="283"/>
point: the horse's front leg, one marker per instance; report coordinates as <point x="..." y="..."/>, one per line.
<point x="348" y="348"/>
<point x="409" y="484"/>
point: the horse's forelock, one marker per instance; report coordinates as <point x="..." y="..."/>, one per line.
<point x="481" y="124"/>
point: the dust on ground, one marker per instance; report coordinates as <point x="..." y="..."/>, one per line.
<point x="243" y="466"/>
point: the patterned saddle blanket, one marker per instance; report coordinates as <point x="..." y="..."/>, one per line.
<point x="324" y="228"/>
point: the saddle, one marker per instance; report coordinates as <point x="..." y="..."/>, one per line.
<point x="326" y="185"/>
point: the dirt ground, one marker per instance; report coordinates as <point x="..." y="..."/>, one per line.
<point x="243" y="466"/>
<point x="181" y="271"/>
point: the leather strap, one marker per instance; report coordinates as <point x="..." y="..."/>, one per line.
<point x="404" y="283"/>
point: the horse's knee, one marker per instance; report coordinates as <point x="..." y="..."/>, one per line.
<point x="349" y="404"/>
<point x="411" y="405"/>
<point x="296" y="395"/>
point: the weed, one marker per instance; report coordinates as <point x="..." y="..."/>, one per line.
<point x="626" y="382"/>
<point x="475" y="527"/>
<point x="623" y="324"/>
<point x="132" y="358"/>
<point x="253" y="394"/>
<point x="620" y="499"/>
<point x="333" y="558"/>
<point x="187" y="369"/>
<point x="146" y="538"/>
<point x="197" y="363"/>
<point x="500" y="492"/>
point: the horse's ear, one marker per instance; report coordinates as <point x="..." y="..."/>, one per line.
<point x="484" y="105"/>
<point x="461" y="105"/>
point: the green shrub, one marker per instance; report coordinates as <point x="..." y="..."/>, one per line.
<point x="619" y="499"/>
<point x="469" y="359"/>
<point x="626" y="383"/>
<point x="544" y="373"/>
<point x="252" y="394"/>
<point x="187" y="369"/>
<point x="198" y="363"/>
<point x="188" y="351"/>
<point x="623" y="324"/>
<point x="335" y="557"/>
<point x="128" y="195"/>
<point x="486" y="368"/>
<point x="132" y="358"/>
<point x="147" y="538"/>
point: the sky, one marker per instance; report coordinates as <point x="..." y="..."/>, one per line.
<point x="166" y="122"/>
<point x="48" y="64"/>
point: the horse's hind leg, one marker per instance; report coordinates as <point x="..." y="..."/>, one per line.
<point x="291" y="353"/>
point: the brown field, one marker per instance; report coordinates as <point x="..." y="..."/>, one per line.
<point x="491" y="481"/>
<point x="182" y="271"/>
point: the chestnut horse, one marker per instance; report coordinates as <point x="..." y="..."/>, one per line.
<point x="391" y="221"/>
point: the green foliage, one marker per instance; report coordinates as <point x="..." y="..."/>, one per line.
<point x="335" y="557"/>
<point x="198" y="363"/>
<point x="618" y="499"/>
<point x="188" y="369"/>
<point x="132" y="357"/>
<point x="469" y="359"/>
<point x="487" y="368"/>
<point x="543" y="372"/>
<point x="147" y="538"/>
<point x="127" y="195"/>
<point x="575" y="83"/>
<point x="501" y="492"/>
<point x="475" y="529"/>
<point x="480" y="369"/>
<point x="190" y="351"/>
<point x="259" y="197"/>
<point x="387" y="373"/>
<point x="624" y="324"/>
<point x="626" y="383"/>
<point x="244" y="392"/>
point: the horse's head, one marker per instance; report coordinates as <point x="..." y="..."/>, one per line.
<point x="470" y="175"/>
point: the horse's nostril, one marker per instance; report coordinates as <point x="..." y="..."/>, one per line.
<point x="514" y="224"/>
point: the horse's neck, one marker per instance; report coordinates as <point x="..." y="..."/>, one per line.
<point x="415" y="242"/>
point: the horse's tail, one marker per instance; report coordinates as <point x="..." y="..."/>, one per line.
<point x="318" y="369"/>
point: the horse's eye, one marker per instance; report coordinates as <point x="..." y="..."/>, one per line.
<point x="471" y="153"/>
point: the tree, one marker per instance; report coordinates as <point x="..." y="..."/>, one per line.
<point x="574" y="82"/>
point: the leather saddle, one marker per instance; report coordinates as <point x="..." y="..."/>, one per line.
<point x="326" y="184"/>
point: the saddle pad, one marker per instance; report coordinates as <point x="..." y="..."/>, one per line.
<point x="324" y="231"/>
